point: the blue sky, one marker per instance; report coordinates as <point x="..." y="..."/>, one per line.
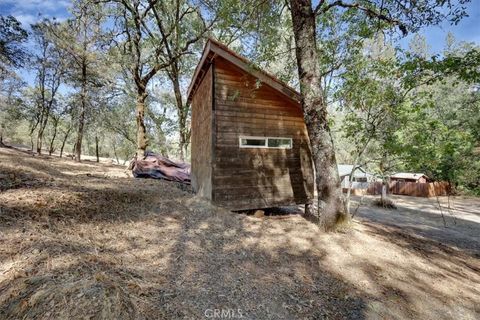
<point x="27" y="11"/>
<point x="30" y="11"/>
<point x="468" y="29"/>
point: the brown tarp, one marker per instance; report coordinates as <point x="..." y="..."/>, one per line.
<point x="158" y="167"/>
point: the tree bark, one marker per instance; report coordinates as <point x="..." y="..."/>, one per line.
<point x="46" y="108"/>
<point x="330" y="200"/>
<point x="42" y="106"/>
<point x="65" y="141"/>
<point x="83" y="107"/>
<point x="78" y="143"/>
<point x="73" y="151"/>
<point x="182" y="110"/>
<point x="115" y="152"/>
<point x="54" y="136"/>
<point x="142" y="141"/>
<point x="32" y="130"/>
<point x="44" y="121"/>
<point x="43" y="124"/>
<point x="97" y="153"/>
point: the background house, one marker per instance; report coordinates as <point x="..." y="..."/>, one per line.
<point x="360" y="179"/>
<point x="250" y="147"/>
<point x="409" y="177"/>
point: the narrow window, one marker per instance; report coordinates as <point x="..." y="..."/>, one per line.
<point x="281" y="143"/>
<point x="266" y="142"/>
<point x="253" y="142"/>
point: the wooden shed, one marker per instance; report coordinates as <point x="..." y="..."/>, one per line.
<point x="249" y="145"/>
<point x="409" y="177"/>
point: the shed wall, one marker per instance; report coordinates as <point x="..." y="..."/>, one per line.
<point x="245" y="178"/>
<point x="201" y="147"/>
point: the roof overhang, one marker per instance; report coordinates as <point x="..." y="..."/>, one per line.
<point x="408" y="175"/>
<point x="215" y="49"/>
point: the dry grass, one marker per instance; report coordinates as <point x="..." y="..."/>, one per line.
<point x="385" y="203"/>
<point x="106" y="246"/>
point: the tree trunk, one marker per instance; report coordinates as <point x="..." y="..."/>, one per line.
<point x="32" y="130"/>
<point x="40" y="138"/>
<point x="74" y="148"/>
<point x="182" y="142"/>
<point x="55" y="126"/>
<point x="81" y="118"/>
<point x="330" y="203"/>
<point x="65" y="141"/>
<point x="182" y="111"/>
<point x="78" y="143"/>
<point x="43" y="124"/>
<point x="115" y="152"/>
<point x="142" y="141"/>
<point x="39" y="141"/>
<point x="96" y="149"/>
<point x="384" y="192"/>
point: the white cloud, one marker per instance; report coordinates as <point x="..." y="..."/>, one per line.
<point x="32" y="11"/>
<point x="26" y="19"/>
<point x="37" y="5"/>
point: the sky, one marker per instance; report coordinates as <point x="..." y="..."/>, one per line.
<point x="31" y="11"/>
<point x="468" y="29"/>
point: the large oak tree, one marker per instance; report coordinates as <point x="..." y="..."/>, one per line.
<point x="387" y="14"/>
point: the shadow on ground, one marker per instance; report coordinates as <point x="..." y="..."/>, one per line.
<point x="119" y="248"/>
<point x="421" y="216"/>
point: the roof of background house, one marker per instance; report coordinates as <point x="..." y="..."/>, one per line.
<point x="345" y="169"/>
<point x="408" y="175"/>
<point x="214" y="48"/>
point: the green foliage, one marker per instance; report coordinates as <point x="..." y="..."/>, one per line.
<point x="11" y="105"/>
<point x="12" y="39"/>
<point x="408" y="112"/>
<point x="370" y="102"/>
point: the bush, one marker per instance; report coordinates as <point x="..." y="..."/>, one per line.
<point x="385" y="203"/>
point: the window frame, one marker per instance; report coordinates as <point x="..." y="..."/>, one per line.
<point x="265" y="146"/>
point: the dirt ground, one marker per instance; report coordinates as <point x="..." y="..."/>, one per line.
<point x="87" y="241"/>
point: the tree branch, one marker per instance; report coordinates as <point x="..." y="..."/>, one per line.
<point x="371" y="13"/>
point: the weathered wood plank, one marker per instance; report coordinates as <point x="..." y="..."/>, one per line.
<point x="273" y="123"/>
<point x="259" y="115"/>
<point x="202" y="137"/>
<point x="255" y="174"/>
<point x="226" y="126"/>
<point x="293" y="133"/>
<point x="264" y="186"/>
<point x="233" y="97"/>
<point x="266" y="110"/>
<point x="259" y="176"/>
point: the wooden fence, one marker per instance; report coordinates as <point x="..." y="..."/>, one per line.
<point x="413" y="189"/>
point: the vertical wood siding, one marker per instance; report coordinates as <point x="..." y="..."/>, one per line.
<point x="245" y="178"/>
<point x="414" y="189"/>
<point x="202" y="137"/>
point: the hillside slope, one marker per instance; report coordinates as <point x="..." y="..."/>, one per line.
<point x="88" y="241"/>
